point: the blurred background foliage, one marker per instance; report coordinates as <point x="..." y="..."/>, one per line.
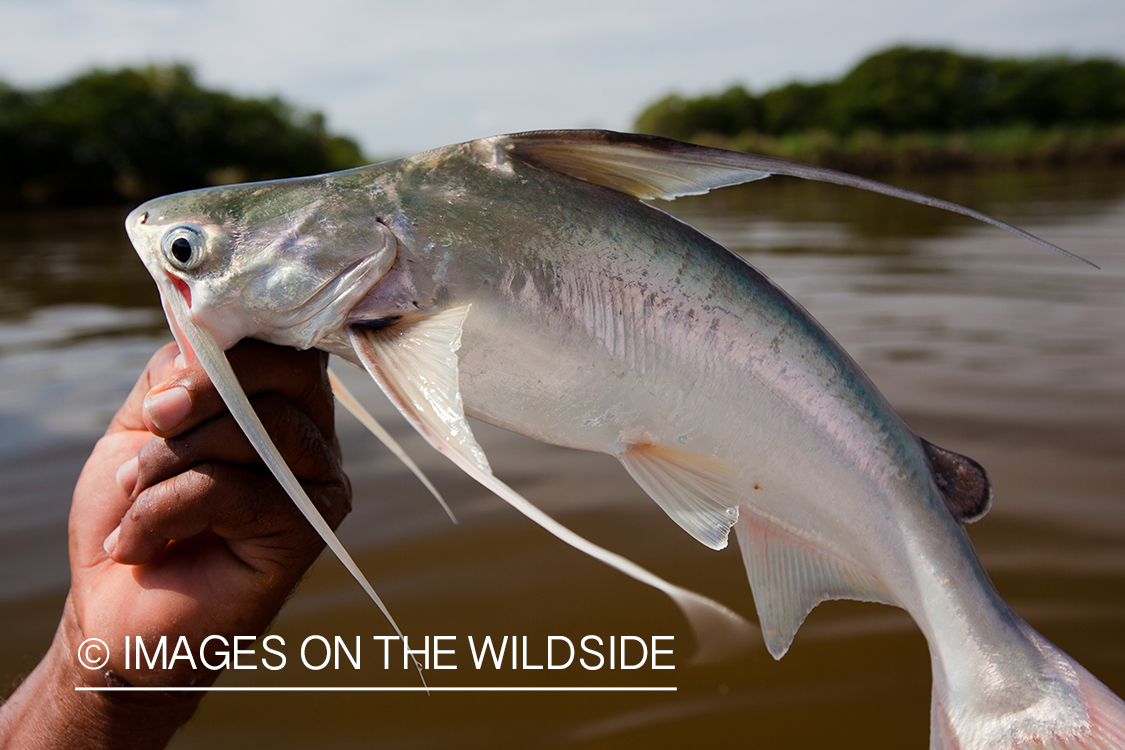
<point x="914" y="108"/>
<point x="130" y="134"/>
<point x="126" y="135"/>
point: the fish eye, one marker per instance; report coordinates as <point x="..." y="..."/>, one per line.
<point x="184" y="247"/>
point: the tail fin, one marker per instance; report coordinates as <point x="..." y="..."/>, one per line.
<point x="1074" y="712"/>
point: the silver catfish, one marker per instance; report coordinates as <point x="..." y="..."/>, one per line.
<point x="521" y="280"/>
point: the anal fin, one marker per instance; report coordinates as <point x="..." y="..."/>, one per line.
<point x="698" y="493"/>
<point x="789" y="577"/>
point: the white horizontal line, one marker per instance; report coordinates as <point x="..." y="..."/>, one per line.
<point x="377" y="689"/>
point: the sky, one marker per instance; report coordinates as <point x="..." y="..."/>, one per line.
<point x="405" y="76"/>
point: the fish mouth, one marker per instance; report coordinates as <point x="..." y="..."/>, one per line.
<point x="180" y="286"/>
<point x="175" y="293"/>
<point x="175" y="298"/>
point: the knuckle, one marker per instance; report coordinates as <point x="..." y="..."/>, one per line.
<point x="301" y="443"/>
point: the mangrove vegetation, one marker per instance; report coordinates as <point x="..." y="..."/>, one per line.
<point x="913" y="109"/>
<point x="125" y="135"/>
<point x="131" y="134"/>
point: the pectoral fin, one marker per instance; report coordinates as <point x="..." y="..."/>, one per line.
<point x="648" y="166"/>
<point x="698" y="493"/>
<point x="789" y="577"/>
<point x="415" y="363"/>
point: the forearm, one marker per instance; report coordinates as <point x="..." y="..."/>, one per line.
<point x="47" y="712"/>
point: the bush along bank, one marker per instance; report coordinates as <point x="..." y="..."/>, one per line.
<point x="908" y="109"/>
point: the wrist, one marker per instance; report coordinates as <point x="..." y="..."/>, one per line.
<point x="51" y="709"/>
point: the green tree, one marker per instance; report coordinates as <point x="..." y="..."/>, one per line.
<point x="729" y="113"/>
<point x="1059" y="91"/>
<point x="910" y="90"/>
<point x="796" y="107"/>
<point x="905" y="89"/>
<point x="130" y="134"/>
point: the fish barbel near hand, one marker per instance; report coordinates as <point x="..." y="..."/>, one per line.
<point x="521" y="280"/>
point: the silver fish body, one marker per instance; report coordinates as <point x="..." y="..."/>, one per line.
<point x="601" y="335"/>
<point x="583" y="317"/>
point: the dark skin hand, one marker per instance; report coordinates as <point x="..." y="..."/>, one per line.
<point x="173" y="465"/>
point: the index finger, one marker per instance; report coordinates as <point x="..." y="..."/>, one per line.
<point x="298" y="376"/>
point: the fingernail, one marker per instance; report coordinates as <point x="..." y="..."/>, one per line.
<point x="168" y="408"/>
<point x="110" y="543"/>
<point x="127" y="474"/>
<point x="179" y="362"/>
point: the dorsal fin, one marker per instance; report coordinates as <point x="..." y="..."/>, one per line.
<point x="648" y="166"/>
<point x="962" y="481"/>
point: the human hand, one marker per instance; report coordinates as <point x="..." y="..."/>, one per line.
<point x="241" y="545"/>
<point x="174" y="465"/>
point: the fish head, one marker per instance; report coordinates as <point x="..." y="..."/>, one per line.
<point x="281" y="261"/>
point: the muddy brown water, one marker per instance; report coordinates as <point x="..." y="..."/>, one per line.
<point x="987" y="344"/>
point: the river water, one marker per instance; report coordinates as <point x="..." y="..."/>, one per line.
<point x="987" y="344"/>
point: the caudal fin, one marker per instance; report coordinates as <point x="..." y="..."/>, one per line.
<point x="1074" y="711"/>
